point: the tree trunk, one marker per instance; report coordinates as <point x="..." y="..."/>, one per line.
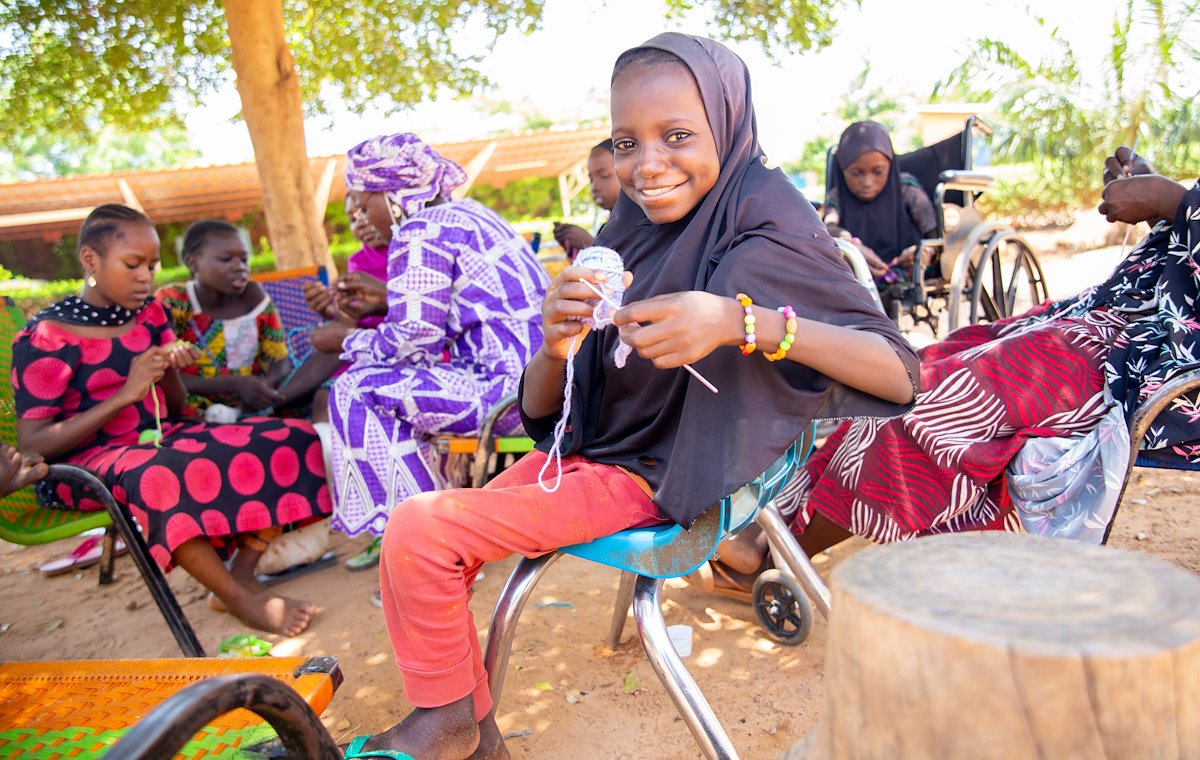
<point x="269" y="87"/>
<point x="1003" y="646"/>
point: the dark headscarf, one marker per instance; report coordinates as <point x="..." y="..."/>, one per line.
<point x="883" y="223"/>
<point x="691" y="446"/>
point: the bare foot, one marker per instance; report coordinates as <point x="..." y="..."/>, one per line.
<point x="436" y="733"/>
<point x="214" y="601"/>
<point x="744" y="552"/>
<point x="491" y="741"/>
<point x="266" y="612"/>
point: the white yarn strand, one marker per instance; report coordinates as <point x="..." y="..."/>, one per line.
<point x="560" y="428"/>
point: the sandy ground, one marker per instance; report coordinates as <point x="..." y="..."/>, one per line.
<point x="566" y="695"/>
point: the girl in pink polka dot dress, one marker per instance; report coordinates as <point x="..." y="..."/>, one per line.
<point x="94" y="373"/>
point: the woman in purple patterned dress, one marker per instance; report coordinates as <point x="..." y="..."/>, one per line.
<point x="460" y="281"/>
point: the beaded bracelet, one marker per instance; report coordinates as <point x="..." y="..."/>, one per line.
<point x="751" y="339"/>
<point x="790" y="325"/>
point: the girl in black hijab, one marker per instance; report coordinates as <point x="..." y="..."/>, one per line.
<point x="882" y="211"/>
<point x="713" y="243"/>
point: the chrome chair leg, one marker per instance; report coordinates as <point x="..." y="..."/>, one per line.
<point x="797" y="562"/>
<point x="680" y="685"/>
<point x="508" y="609"/>
<point x="621" y="609"/>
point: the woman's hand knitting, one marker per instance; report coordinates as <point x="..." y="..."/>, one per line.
<point x="1145" y="198"/>
<point x="683" y="327"/>
<point x="360" y="295"/>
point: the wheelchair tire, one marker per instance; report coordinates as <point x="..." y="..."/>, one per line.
<point x="782" y="608"/>
<point x="1006" y="267"/>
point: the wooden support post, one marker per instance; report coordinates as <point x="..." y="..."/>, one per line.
<point x="473" y="168"/>
<point x="1009" y="646"/>
<point x="130" y="197"/>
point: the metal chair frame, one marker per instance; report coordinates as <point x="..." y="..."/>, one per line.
<point x="647" y="556"/>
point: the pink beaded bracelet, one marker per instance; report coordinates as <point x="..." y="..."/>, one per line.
<point x="789" y="329"/>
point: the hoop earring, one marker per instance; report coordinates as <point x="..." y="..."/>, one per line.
<point x="91" y="280"/>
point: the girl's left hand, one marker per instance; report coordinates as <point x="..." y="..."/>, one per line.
<point x="181" y="354"/>
<point x="683" y="327"/>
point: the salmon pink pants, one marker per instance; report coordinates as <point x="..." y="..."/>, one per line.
<point x="436" y="542"/>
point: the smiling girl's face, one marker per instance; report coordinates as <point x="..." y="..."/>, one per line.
<point x="666" y="156"/>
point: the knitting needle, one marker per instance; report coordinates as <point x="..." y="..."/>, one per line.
<point x="1129" y="172"/>
<point x="688" y="367"/>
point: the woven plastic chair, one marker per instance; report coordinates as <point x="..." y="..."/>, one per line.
<point x="163" y="708"/>
<point x="286" y="289"/>
<point x="22" y="520"/>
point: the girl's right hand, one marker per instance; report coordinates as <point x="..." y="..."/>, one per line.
<point x="146" y="369"/>
<point x="567" y="303"/>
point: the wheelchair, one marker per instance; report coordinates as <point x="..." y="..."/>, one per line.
<point x="983" y="271"/>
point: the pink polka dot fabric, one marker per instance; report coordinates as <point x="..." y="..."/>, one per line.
<point x="210" y="482"/>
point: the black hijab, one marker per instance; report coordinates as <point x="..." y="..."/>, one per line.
<point x="882" y="223"/>
<point x="753" y="232"/>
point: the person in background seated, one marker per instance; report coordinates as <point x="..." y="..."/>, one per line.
<point x="883" y="212"/>
<point x="1019" y="422"/>
<point x="366" y="269"/>
<point x="97" y="385"/>
<point x="461" y="280"/>
<point x="606" y="189"/>
<point x="231" y="319"/>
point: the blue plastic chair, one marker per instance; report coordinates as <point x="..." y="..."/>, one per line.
<point x="648" y="555"/>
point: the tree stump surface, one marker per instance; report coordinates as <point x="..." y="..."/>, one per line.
<point x="995" y="645"/>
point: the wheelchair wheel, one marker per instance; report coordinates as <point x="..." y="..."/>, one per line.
<point x="782" y="607"/>
<point x="1007" y="279"/>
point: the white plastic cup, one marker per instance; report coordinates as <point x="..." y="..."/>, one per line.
<point x="681" y="639"/>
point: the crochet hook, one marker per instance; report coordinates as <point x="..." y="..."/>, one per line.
<point x="1128" y="173"/>
<point x="616" y="306"/>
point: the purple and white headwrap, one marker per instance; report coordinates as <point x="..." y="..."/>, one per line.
<point x="405" y="169"/>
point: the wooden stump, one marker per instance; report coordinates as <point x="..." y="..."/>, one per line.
<point x="1009" y="646"/>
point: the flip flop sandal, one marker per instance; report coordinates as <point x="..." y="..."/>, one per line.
<point x="367" y="558"/>
<point x="707" y="575"/>
<point x="356" y="750"/>
<point x="325" y="560"/>
<point x="88" y="553"/>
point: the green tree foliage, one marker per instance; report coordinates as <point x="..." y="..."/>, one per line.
<point x="69" y="67"/>
<point x="522" y="199"/>
<point x="34" y="156"/>
<point x="791" y="25"/>
<point x="1064" y="120"/>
